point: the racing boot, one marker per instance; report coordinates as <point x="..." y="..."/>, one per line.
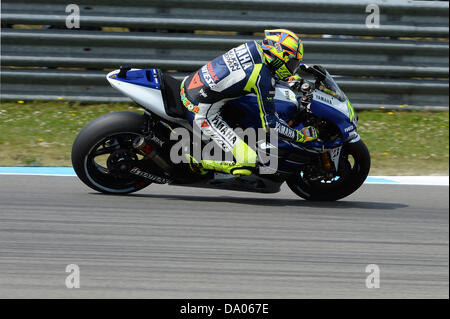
<point x="195" y="166"/>
<point x="245" y="161"/>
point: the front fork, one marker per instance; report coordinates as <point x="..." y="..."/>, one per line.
<point x="330" y="157"/>
<point x="330" y="160"/>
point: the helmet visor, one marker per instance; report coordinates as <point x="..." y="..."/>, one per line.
<point x="293" y="65"/>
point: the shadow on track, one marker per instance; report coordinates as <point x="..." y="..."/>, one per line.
<point x="271" y="201"/>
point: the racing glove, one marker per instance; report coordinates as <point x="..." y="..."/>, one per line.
<point x="294" y="78"/>
<point x="295" y="81"/>
<point x="307" y="134"/>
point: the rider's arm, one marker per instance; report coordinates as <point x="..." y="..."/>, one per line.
<point x="263" y="85"/>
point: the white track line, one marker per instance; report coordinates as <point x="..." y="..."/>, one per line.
<point x="393" y="180"/>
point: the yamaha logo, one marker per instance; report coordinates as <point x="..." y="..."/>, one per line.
<point x="324" y="99"/>
<point x="348" y="129"/>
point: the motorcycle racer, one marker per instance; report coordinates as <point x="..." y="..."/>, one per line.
<point x="249" y="68"/>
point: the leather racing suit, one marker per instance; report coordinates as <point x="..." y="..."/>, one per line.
<point x="238" y="72"/>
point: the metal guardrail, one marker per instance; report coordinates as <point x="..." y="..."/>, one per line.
<point x="384" y="66"/>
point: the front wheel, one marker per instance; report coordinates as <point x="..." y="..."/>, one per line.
<point x="354" y="166"/>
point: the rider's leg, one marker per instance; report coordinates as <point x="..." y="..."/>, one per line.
<point x="245" y="161"/>
<point x="211" y="124"/>
<point x="207" y="119"/>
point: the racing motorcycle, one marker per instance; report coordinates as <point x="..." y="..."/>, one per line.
<point x="124" y="152"/>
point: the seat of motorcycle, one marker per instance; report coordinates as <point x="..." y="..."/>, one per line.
<point x="170" y="89"/>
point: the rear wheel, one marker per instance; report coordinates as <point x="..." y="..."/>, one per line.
<point x="354" y="166"/>
<point x="103" y="153"/>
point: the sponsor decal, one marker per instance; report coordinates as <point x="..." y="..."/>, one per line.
<point x="211" y="72"/>
<point x="278" y="47"/>
<point x="335" y="152"/>
<point x="154" y="178"/>
<point x="157" y="140"/>
<point x="265" y="145"/>
<point x="348" y="129"/>
<point x="195" y="82"/>
<point x="289" y="95"/>
<point x="225" y="130"/>
<point x="277" y="63"/>
<point x="209" y="75"/>
<point x="217" y="139"/>
<point x="191" y="107"/>
<point x="231" y="61"/>
<point x="285" y="130"/>
<point x="203" y="93"/>
<point x="324" y="99"/>
<point x="244" y="56"/>
<point x="327" y="91"/>
<point x="220" y="132"/>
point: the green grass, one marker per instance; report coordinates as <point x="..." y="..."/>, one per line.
<point x="41" y="133"/>
<point x="406" y="142"/>
<point x="400" y="142"/>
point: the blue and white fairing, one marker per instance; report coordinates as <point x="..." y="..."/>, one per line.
<point x="143" y="86"/>
<point x="328" y="102"/>
<point x="285" y="102"/>
<point x="333" y="106"/>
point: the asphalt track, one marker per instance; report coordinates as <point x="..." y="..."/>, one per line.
<point x="174" y="242"/>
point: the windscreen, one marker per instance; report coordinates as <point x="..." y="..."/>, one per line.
<point x="329" y="86"/>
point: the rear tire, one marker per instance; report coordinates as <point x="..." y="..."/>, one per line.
<point x="121" y="126"/>
<point x="350" y="179"/>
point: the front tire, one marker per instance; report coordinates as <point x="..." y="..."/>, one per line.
<point x="354" y="168"/>
<point x="110" y="135"/>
